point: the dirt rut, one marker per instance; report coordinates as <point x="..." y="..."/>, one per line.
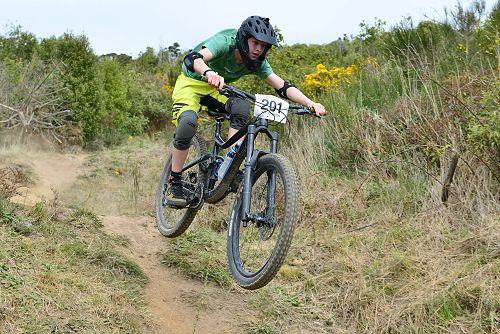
<point x="179" y="305"/>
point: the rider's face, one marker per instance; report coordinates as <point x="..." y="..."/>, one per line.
<point x="255" y="48"/>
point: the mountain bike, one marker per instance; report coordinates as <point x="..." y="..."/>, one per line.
<point x="266" y="204"/>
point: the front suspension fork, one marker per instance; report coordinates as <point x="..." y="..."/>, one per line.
<point x="250" y="165"/>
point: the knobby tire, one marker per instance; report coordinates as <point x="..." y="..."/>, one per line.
<point x="250" y="273"/>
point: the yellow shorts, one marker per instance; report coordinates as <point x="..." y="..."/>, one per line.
<point x="187" y="94"/>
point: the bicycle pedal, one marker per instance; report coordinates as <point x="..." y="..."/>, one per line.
<point x="175" y="207"/>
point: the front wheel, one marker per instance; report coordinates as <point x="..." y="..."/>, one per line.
<point x="172" y="222"/>
<point x="256" y="249"/>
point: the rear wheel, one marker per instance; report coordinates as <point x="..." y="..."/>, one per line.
<point x="172" y="222"/>
<point x="256" y="249"/>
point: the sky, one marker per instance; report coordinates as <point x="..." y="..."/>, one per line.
<point x="129" y="26"/>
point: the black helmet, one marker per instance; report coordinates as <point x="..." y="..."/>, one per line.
<point x="259" y="28"/>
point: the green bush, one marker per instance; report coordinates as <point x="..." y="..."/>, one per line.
<point x="75" y="55"/>
<point x="18" y="45"/>
<point x="484" y="129"/>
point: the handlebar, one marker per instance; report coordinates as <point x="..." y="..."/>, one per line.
<point x="236" y="92"/>
<point x="228" y="91"/>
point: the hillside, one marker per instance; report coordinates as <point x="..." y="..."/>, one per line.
<point x="399" y="228"/>
<point x="359" y="249"/>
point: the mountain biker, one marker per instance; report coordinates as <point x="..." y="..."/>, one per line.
<point x="223" y="58"/>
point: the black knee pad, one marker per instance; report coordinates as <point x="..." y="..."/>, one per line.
<point x="186" y="129"/>
<point x="239" y="110"/>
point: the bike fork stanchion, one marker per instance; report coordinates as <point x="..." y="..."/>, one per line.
<point x="247" y="175"/>
<point x="271" y="186"/>
<point x="274" y="142"/>
<point x="271" y="189"/>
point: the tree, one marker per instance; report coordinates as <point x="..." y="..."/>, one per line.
<point x="174" y="52"/>
<point x="18" y="44"/>
<point x="119" y="117"/>
<point x="80" y="77"/>
<point x="147" y="60"/>
<point x="32" y="102"/>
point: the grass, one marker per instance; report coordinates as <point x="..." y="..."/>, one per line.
<point x="200" y="253"/>
<point x="377" y="252"/>
<point x="60" y="276"/>
<point x="121" y="180"/>
<point x="14" y="176"/>
<point x="388" y="279"/>
<point x="261" y="329"/>
<point x="374" y="251"/>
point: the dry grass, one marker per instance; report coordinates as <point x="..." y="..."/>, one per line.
<point x="121" y="180"/>
<point x="12" y="177"/>
<point x="14" y="141"/>
<point x="60" y="274"/>
<point x="376" y="251"/>
<point x="355" y="269"/>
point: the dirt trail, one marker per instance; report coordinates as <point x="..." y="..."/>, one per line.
<point x="53" y="172"/>
<point x="177" y="304"/>
<point x="182" y="306"/>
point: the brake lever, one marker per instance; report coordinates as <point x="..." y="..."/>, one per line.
<point x="307" y="111"/>
<point x="233" y="91"/>
<point x="226" y="91"/>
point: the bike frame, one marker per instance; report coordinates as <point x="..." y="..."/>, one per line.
<point x="260" y="125"/>
<point x="250" y="131"/>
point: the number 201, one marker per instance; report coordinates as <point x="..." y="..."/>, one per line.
<point x="271" y="105"/>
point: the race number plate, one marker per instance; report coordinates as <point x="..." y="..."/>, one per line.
<point x="271" y="108"/>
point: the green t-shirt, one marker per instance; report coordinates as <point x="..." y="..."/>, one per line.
<point x="222" y="46"/>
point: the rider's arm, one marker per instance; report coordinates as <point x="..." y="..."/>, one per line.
<point x="200" y="66"/>
<point x="294" y="94"/>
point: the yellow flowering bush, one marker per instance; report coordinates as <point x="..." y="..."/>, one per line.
<point x="461" y="47"/>
<point x="324" y="79"/>
<point x="166" y="87"/>
<point x="493" y="46"/>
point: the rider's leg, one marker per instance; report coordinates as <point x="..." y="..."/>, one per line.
<point x="186" y="129"/>
<point x="184" y="133"/>
<point x="239" y="110"/>
<point x="178" y="159"/>
<point x="185" y="103"/>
